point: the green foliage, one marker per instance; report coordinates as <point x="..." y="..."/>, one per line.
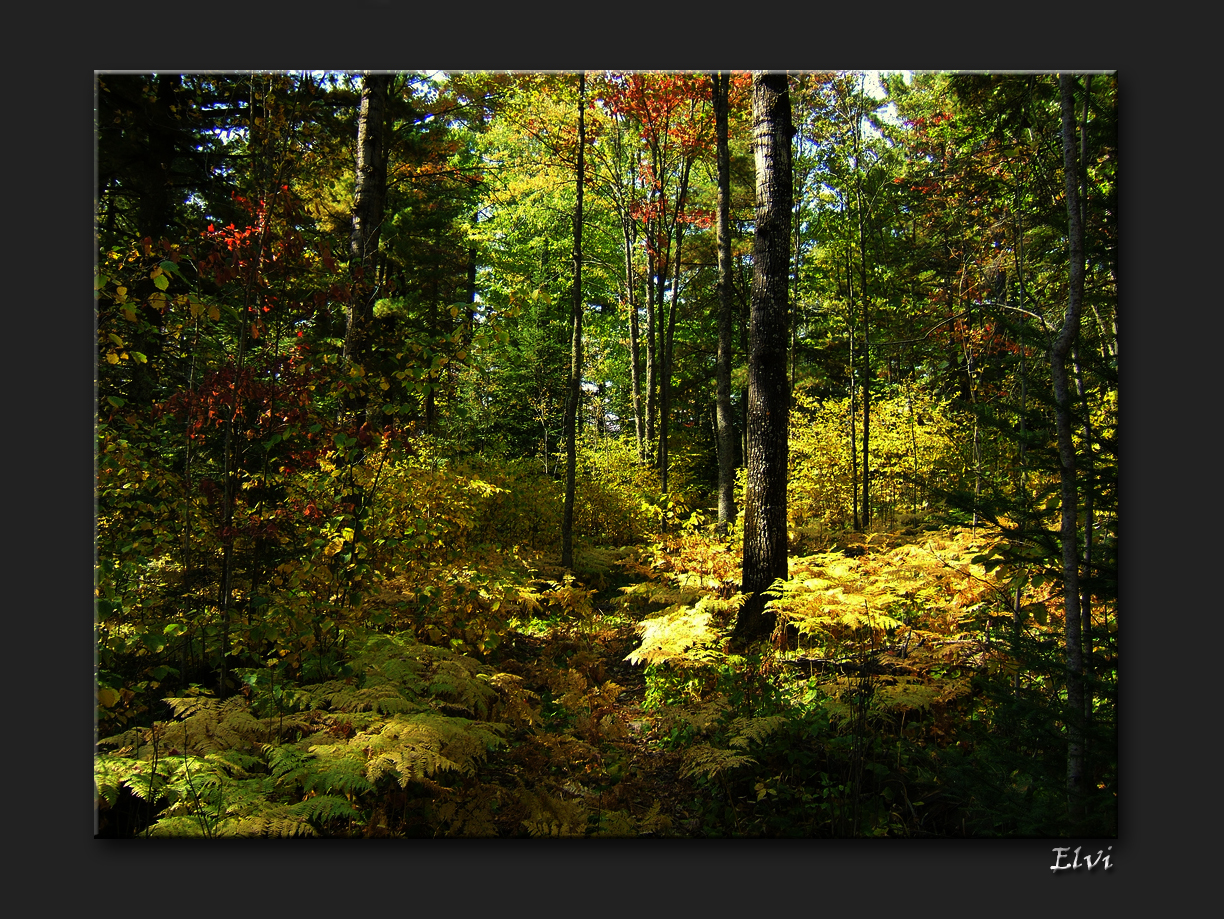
<point x="356" y="554"/>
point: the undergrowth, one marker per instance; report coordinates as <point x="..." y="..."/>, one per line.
<point x="901" y="696"/>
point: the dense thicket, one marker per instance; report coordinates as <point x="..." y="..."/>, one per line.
<point x="350" y="324"/>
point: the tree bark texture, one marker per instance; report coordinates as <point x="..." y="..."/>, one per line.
<point x="575" y="376"/>
<point x="725" y="418"/>
<point x="369" y="195"/>
<point x="1066" y="454"/>
<point x="768" y="388"/>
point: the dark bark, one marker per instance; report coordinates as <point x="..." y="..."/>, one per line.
<point x="369" y="195"/>
<point x="768" y="390"/>
<point x="575" y="376"/>
<point x="725" y="419"/>
<point x="1067" y="461"/>
<point x="635" y="359"/>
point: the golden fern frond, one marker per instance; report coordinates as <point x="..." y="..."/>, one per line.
<point x="515" y="705"/>
<point x="654" y="822"/>
<point x="701" y="718"/>
<point x="905" y="692"/>
<point x="710" y="761"/>
<point x="414" y="747"/>
<point x="457" y="683"/>
<point x="549" y="816"/>
<point x="670" y="636"/>
<point x="616" y="823"/>
<point x="753" y="730"/>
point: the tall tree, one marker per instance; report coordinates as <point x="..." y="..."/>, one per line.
<point x="725" y="420"/>
<point x="369" y="196"/>
<point x="768" y="389"/>
<point x="574" y="391"/>
<point x="1066" y="454"/>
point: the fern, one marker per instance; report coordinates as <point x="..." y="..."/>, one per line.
<point x="325" y="809"/>
<point x="675" y="636"/>
<point x="552" y="816"/>
<point x="745" y="731"/>
<point x="710" y="761"/>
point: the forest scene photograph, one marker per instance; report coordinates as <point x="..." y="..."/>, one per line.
<point x="638" y="454"/>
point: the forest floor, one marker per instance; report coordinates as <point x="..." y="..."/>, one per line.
<point x="612" y="707"/>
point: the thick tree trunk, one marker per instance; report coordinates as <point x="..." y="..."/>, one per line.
<point x="575" y="376"/>
<point x="369" y="195"/>
<point x="768" y="391"/>
<point x="725" y="419"/>
<point x="1066" y="454"/>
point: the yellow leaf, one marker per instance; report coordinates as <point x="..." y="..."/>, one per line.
<point x="214" y="313"/>
<point x="108" y="697"/>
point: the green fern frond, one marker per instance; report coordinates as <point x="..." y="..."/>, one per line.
<point x="267" y="825"/>
<point x="325" y="808"/>
<point x="288" y="765"/>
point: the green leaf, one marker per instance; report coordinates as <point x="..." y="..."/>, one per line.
<point x="161" y="282"/>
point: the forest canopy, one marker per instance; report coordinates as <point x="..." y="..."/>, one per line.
<point x="606" y="453"/>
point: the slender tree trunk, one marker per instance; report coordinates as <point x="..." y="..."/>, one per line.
<point x="724" y="418"/>
<point x="1066" y="453"/>
<point x="1022" y="464"/>
<point x="765" y="543"/>
<point x="1089" y="483"/>
<point x="651" y="350"/>
<point x="575" y="375"/>
<point x="854" y="453"/>
<point x="669" y="337"/>
<point x="369" y="195"/>
<point x="635" y="358"/>
<point x="865" y="384"/>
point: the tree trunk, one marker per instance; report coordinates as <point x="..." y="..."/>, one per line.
<point x="369" y="195"/>
<point x="1066" y="454"/>
<point x="575" y="376"/>
<point x="725" y="420"/>
<point x="865" y="384"/>
<point x="635" y="358"/>
<point x="768" y="391"/>
<point x="669" y="337"/>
